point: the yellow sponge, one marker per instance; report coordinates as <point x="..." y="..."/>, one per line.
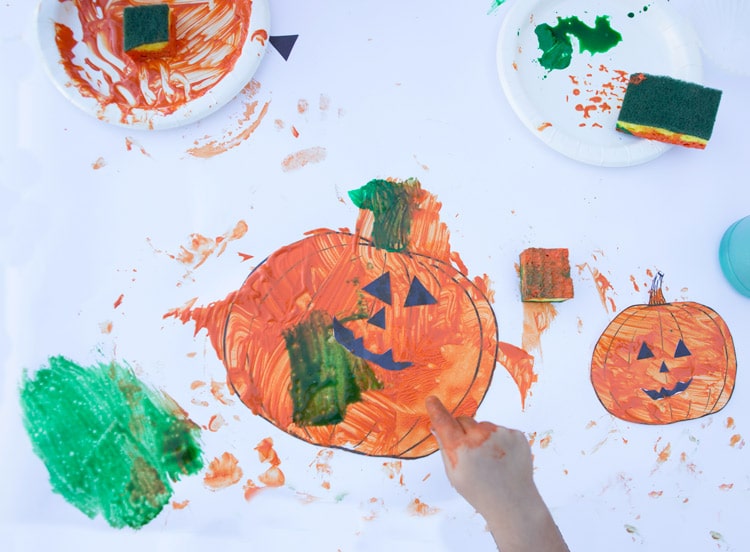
<point x="147" y="30"/>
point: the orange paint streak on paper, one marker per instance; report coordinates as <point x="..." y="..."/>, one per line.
<point x="299" y="159"/>
<point x="118" y="301"/>
<point x="603" y="286"/>
<point x="251" y="489"/>
<point x="180" y="505"/>
<point x="97" y="66"/>
<point x="217" y="390"/>
<point x="273" y="476"/>
<point x="537" y="318"/>
<point x="245" y="126"/>
<point x="223" y="472"/>
<point x="261" y="35"/>
<point x="520" y="365"/>
<point x="98" y="164"/>
<point x="544" y="126"/>
<point x="216" y="422"/>
<point x="736" y="441"/>
<point x="106" y="327"/>
<point x="419" y="508"/>
<point x="130" y="143"/>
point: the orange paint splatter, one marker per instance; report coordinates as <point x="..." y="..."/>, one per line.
<point x="118" y="301"/>
<point x="664" y="454"/>
<point x="218" y="390"/>
<point x="245" y="256"/>
<point x="302" y="106"/>
<point x="223" y="472"/>
<point x="537" y="318"/>
<point x="138" y="87"/>
<point x="736" y="440"/>
<point x="295" y="132"/>
<point x="419" y="508"/>
<point x="98" y="164"/>
<point x="106" y="327"/>
<point x="545" y="441"/>
<point x="273" y="476"/>
<point x="251" y="489"/>
<point x="393" y="470"/>
<point x="197" y="383"/>
<point x="304" y="157"/>
<point x="201" y="248"/>
<point x="655" y="494"/>
<point x="543" y="126"/>
<point x="180" y="505"/>
<point x="324" y="102"/>
<point x="726" y="486"/>
<point x="603" y="286"/>
<point x="244" y="126"/>
<point x="130" y="143"/>
<point x="216" y="422"/>
<point x="730" y="423"/>
<point x="261" y="35"/>
<point x="520" y="365"/>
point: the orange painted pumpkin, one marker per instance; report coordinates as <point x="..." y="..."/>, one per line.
<point x="339" y="337"/>
<point x="664" y="362"/>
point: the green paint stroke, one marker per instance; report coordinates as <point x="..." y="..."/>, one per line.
<point x="326" y="378"/>
<point x="495" y="4"/>
<point x="392" y="204"/>
<point x="557" y="47"/>
<point x="112" y="446"/>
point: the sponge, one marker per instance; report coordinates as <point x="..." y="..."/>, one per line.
<point x="147" y="29"/>
<point x="669" y="110"/>
<point x="545" y="275"/>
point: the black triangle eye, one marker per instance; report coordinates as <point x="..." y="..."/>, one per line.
<point x="682" y="350"/>
<point x="378" y="319"/>
<point x="418" y="295"/>
<point x="645" y="352"/>
<point x="380" y="288"/>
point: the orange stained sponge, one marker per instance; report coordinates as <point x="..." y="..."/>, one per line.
<point x="668" y="110"/>
<point x="545" y="275"/>
<point x="147" y="30"/>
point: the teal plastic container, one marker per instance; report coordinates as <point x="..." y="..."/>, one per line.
<point x="734" y="255"/>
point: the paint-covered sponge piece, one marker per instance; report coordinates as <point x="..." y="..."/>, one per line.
<point x="545" y="275"/>
<point x="669" y="110"/>
<point x="147" y="30"/>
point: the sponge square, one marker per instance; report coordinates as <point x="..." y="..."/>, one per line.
<point x="545" y="275"/>
<point x="146" y="28"/>
<point x="669" y="110"/>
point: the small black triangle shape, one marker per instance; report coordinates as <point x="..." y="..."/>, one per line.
<point x="283" y="44"/>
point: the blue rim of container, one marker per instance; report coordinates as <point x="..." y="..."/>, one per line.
<point x="726" y="262"/>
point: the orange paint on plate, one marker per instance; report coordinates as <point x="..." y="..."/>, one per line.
<point x="543" y="126"/>
<point x="203" y="56"/>
<point x="223" y="472"/>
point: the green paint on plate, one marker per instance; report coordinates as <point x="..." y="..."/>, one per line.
<point x="557" y="47"/>
<point x="112" y="445"/>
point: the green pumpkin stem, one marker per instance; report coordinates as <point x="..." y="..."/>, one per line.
<point x="655" y="294"/>
<point x="392" y="205"/>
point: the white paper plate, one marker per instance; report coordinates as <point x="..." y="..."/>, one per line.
<point x="722" y="27"/>
<point x="103" y="73"/>
<point x="555" y="105"/>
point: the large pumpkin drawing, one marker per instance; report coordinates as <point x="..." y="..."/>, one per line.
<point x="664" y="362"/>
<point x="339" y="337"/>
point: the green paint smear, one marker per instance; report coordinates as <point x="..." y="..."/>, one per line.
<point x="557" y="48"/>
<point x="392" y="205"/>
<point x="495" y="4"/>
<point x="112" y="446"/>
<point x="326" y="378"/>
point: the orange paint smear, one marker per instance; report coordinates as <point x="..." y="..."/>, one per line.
<point x="106" y="327"/>
<point x="201" y="248"/>
<point x="130" y="143"/>
<point x="180" y="505"/>
<point x="98" y="164"/>
<point x="201" y="55"/>
<point x="543" y="126"/>
<point x="223" y="472"/>
<point x="304" y="157"/>
<point x="118" y="301"/>
<point x="302" y="106"/>
<point x="603" y="286"/>
<point x="273" y="476"/>
<point x="217" y="390"/>
<point x="261" y="35"/>
<point x="537" y="318"/>
<point x="251" y="489"/>
<point x="736" y="440"/>
<point x="419" y="508"/>
<point x="216" y="422"/>
<point x="245" y="126"/>
<point x="520" y="365"/>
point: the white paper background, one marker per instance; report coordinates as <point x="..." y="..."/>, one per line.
<point x="412" y="91"/>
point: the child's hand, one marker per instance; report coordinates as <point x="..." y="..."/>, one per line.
<point x="491" y="466"/>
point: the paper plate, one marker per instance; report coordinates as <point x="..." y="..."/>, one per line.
<point x="220" y="44"/>
<point x="574" y="109"/>
<point x="722" y="28"/>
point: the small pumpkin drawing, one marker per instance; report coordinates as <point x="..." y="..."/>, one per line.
<point x="339" y="337"/>
<point x="663" y="362"/>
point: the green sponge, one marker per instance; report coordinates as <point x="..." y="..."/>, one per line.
<point x="668" y="110"/>
<point x="146" y="29"/>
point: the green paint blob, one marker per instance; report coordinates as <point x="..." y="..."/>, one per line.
<point x="325" y="376"/>
<point x="112" y="446"/>
<point x="557" y="48"/>
<point x="392" y="204"/>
